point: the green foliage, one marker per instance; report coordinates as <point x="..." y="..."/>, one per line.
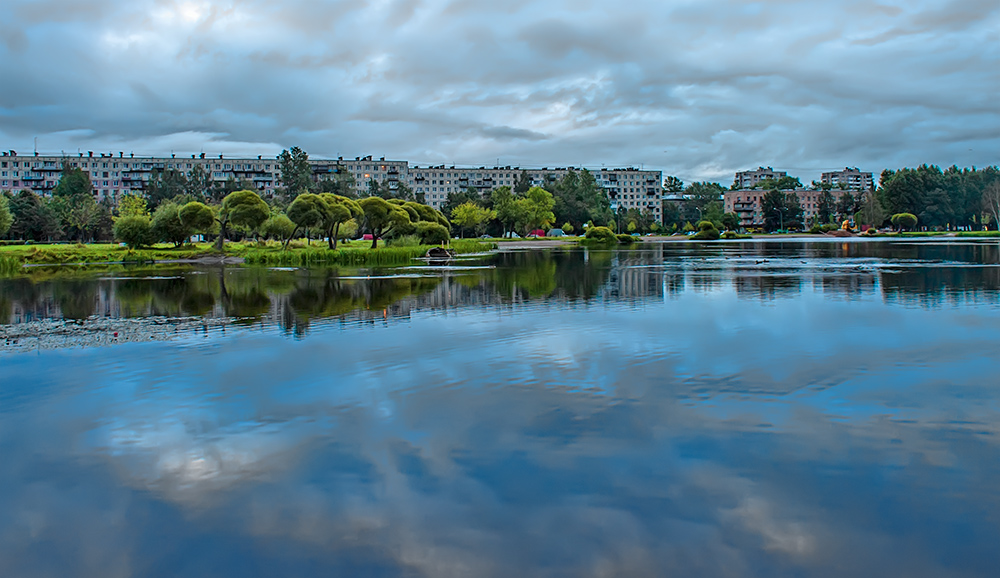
<point x="730" y="235"/>
<point x="244" y="209"/>
<point x="307" y="211"/>
<point x="6" y="219"/>
<point x="381" y="217"/>
<point x="781" y="210"/>
<point x="197" y="217"/>
<point x="706" y="232"/>
<point x="731" y="221"/>
<point x="688" y="227"/>
<point x="904" y="221"/>
<point x="296" y="174"/>
<point x="167" y="225"/>
<point x="471" y="216"/>
<point x="568" y="228"/>
<point x="601" y="235"/>
<point x="432" y="233"/>
<point x="625" y="239"/>
<point x="10" y="265"/>
<point x="134" y="230"/>
<point x="278" y="227"/>
<point x="132" y="206"/>
<point x="405" y="241"/>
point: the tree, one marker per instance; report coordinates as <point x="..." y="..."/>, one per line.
<point x="34" y="217"/>
<point x="242" y="209"/>
<point x="381" y="217"/>
<point x="793" y="212"/>
<point x="826" y="207"/>
<point x="278" y="227"/>
<point x="469" y="195"/>
<point x="73" y="202"/>
<point x="539" y="208"/>
<point x="307" y="211"/>
<point x="523" y="183"/>
<point x="132" y="206"/>
<point x="847" y="206"/>
<point x="568" y="228"/>
<point x="339" y="210"/>
<point x="197" y="217"/>
<point x="199" y="183"/>
<point x="731" y="221"/>
<point x="165" y="185"/>
<point x="772" y="206"/>
<point x="296" y="173"/>
<point x="991" y="201"/>
<point x="904" y="221"/>
<point x="872" y="212"/>
<point x="672" y="185"/>
<point x="167" y="225"/>
<point x="6" y="219"/>
<point x="578" y="198"/>
<point x="472" y="216"/>
<point x="133" y="230"/>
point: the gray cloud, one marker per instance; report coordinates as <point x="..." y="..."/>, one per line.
<point x="697" y="89"/>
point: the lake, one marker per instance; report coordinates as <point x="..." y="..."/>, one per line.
<point x="764" y="408"/>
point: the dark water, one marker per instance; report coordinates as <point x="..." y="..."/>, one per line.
<point x="757" y="409"/>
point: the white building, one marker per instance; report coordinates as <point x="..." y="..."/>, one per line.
<point x="852" y="179"/>
<point x="113" y="175"/>
<point x="747" y="179"/>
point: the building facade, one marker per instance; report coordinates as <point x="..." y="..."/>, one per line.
<point x="113" y="176"/>
<point x="747" y="204"/>
<point x="747" y="179"/>
<point x="851" y="178"/>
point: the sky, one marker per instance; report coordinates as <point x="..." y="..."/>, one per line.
<point x="697" y="88"/>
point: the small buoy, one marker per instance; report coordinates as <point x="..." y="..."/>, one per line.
<point x="116" y="334"/>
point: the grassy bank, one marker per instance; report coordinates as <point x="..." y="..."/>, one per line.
<point x="13" y="257"/>
<point x="353" y="256"/>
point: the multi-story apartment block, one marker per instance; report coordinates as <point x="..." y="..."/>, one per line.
<point x="628" y="188"/>
<point x="852" y="179"/>
<point x="113" y="176"/>
<point x="748" y="204"/>
<point x="747" y="179"/>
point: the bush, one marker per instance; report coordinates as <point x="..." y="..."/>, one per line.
<point x="601" y="235"/>
<point x="734" y="235"/>
<point x="432" y="233"/>
<point x="134" y="231"/>
<point x="904" y="221"/>
<point x="815" y="230"/>
<point x="706" y="232"/>
<point x="624" y="239"/>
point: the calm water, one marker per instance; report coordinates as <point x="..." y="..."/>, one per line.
<point x="755" y="409"/>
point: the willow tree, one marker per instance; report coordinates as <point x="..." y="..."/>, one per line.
<point x="339" y="210"/>
<point x="307" y="211"/>
<point x="382" y="217"/>
<point x="242" y="209"/>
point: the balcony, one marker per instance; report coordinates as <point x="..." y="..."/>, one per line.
<point x="743" y="207"/>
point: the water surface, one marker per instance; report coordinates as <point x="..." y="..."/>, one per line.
<point x="731" y="409"/>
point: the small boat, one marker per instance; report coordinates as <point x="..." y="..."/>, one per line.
<point x="439" y="253"/>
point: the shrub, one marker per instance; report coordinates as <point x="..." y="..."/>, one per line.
<point x="624" y="239"/>
<point x="706" y="232"/>
<point x="601" y="235"/>
<point x="134" y="231"/>
<point x="432" y="233"/>
<point x="904" y="221"/>
<point x="815" y="230"/>
<point x="734" y="235"/>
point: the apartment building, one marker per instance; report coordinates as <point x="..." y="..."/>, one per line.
<point x="629" y="188"/>
<point x="747" y="179"/>
<point x="851" y="178"/>
<point x="748" y="204"/>
<point x="114" y="175"/>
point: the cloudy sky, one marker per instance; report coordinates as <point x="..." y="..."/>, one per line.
<point x="697" y="88"/>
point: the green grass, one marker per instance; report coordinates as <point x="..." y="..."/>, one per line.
<point x="357" y="255"/>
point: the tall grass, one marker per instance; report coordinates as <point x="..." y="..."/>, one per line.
<point x="361" y="257"/>
<point x="10" y="265"/>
